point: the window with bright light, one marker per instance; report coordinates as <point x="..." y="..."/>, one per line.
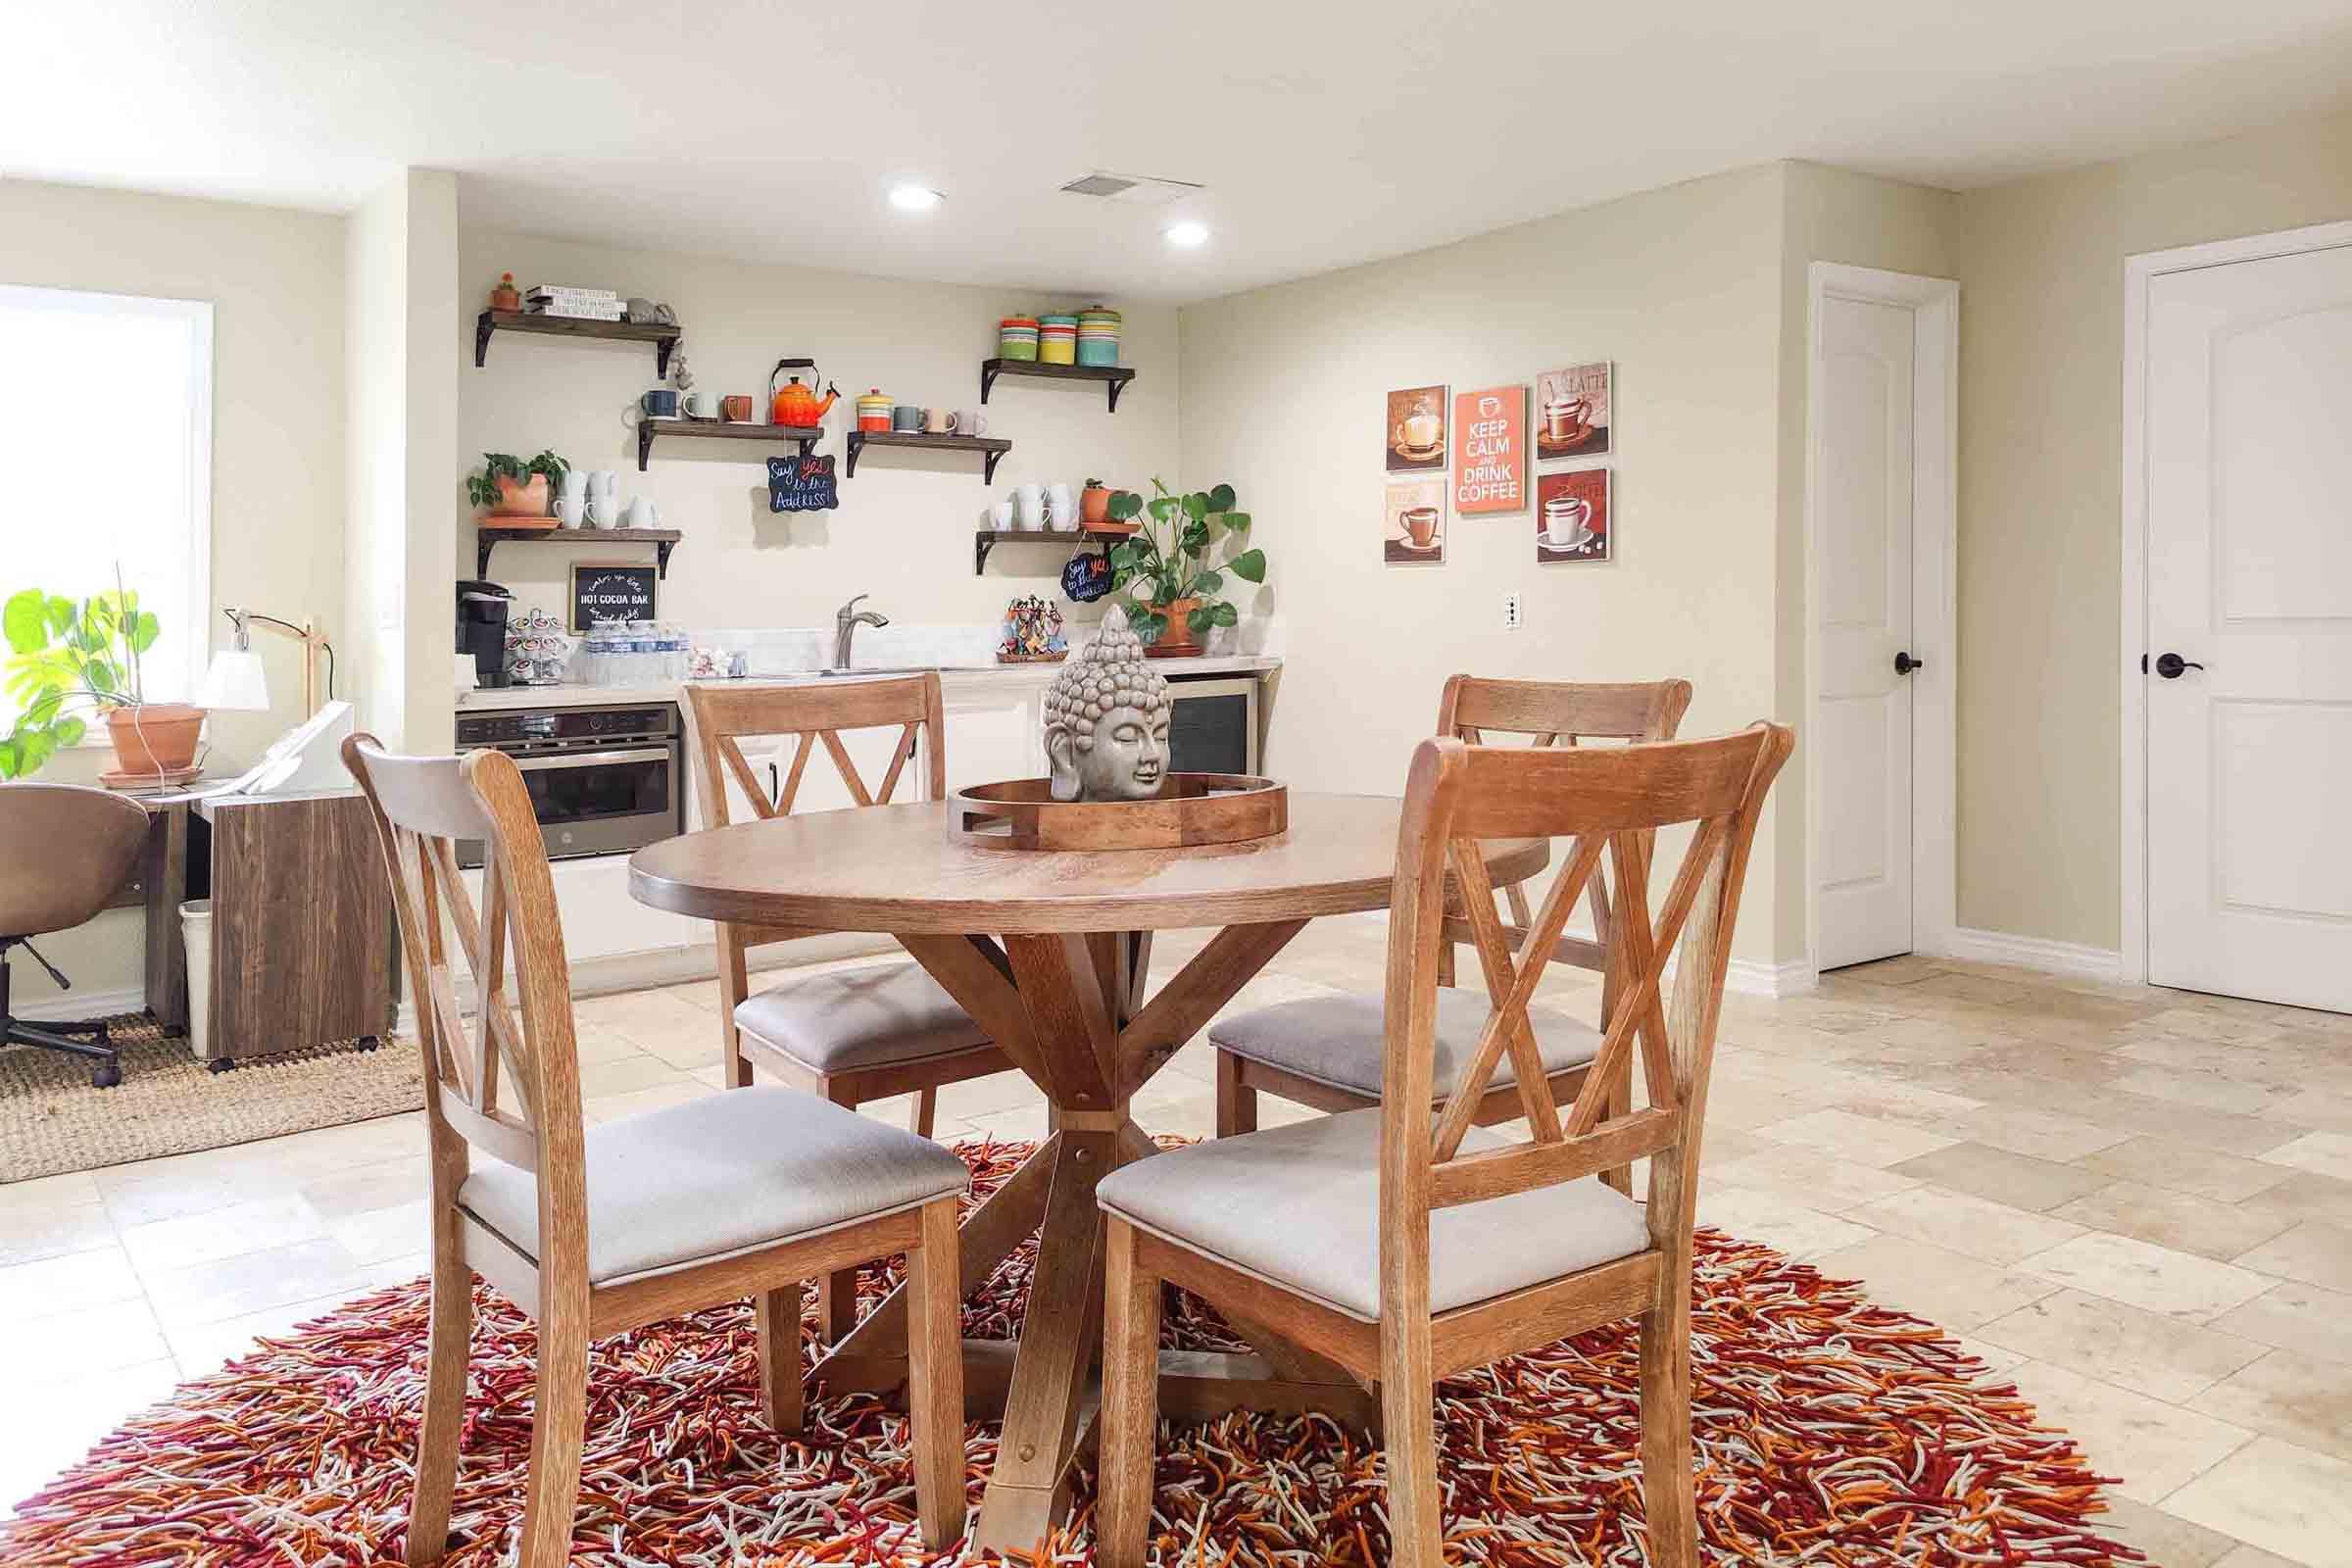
<point x="106" y="442"/>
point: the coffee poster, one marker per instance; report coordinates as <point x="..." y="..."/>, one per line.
<point x="1572" y="516"/>
<point x="1572" y="413"/>
<point x="1414" y="523"/>
<point x="1415" y="430"/>
<point x="1490" y="451"/>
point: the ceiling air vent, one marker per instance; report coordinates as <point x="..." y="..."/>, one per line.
<point x="1136" y="190"/>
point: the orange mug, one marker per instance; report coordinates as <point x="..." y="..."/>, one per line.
<point x="735" y="410"/>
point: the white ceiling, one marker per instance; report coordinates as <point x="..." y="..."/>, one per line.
<point x="1327" y="134"/>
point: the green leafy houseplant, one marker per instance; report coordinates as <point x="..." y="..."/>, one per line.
<point x="484" y="489"/>
<point x="1173" y="559"/>
<point x="63" y="653"/>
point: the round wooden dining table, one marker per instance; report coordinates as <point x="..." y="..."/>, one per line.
<point x="1049" y="950"/>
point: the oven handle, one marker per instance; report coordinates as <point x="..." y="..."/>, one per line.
<point x="542" y="765"/>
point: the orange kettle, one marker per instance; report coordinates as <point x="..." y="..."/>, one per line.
<point x="796" y="402"/>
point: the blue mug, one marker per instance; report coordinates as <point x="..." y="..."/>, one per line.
<point x="662" y="402"/>
<point x="906" y="420"/>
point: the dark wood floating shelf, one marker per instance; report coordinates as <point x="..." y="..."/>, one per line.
<point x="988" y="446"/>
<point x="663" y="337"/>
<point x="802" y="436"/>
<point x="1114" y="377"/>
<point x="664" y="540"/>
<point x="986" y="539"/>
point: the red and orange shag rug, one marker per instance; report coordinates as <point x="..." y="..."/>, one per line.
<point x="1831" y="1432"/>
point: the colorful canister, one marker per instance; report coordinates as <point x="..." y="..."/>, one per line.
<point x="1098" y="335"/>
<point x="1016" y="337"/>
<point x="1057" y="339"/>
<point x="873" y="411"/>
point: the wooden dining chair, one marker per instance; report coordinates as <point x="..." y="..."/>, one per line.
<point x="1325" y="1051"/>
<point x="848" y="1035"/>
<point x="594" y="1231"/>
<point x="1408" y="1252"/>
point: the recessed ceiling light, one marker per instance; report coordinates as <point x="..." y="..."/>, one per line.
<point x="913" y="198"/>
<point x="1188" y="233"/>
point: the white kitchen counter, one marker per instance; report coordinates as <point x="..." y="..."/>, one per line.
<point x="952" y="680"/>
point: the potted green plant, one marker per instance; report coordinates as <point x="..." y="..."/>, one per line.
<point x="1171" y="566"/>
<point x="62" y="654"/>
<point x="509" y="487"/>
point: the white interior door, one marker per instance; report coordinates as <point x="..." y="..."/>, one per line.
<point x="1861" y="740"/>
<point x="2249" y="570"/>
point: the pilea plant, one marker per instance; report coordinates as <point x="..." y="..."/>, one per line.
<point x="1173" y="558"/>
<point x="482" y="488"/>
<point x="62" y="654"/>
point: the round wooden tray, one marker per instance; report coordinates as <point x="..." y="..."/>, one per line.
<point x="1033" y="658"/>
<point x="1192" y="809"/>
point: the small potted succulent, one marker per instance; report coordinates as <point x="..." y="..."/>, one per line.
<point x="506" y="297"/>
<point x="1172" y="567"/>
<point x="1094" y="508"/>
<point x="63" y="653"/>
<point x="517" y="491"/>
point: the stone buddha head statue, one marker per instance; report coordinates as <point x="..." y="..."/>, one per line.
<point x="1107" y="719"/>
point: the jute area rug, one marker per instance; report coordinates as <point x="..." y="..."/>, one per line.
<point x="51" y="1120"/>
<point x="1830" y="1432"/>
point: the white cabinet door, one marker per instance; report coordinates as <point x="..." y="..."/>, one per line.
<point x="2249" y="384"/>
<point x="995" y="739"/>
<point x="601" y="919"/>
<point x="1861" y="739"/>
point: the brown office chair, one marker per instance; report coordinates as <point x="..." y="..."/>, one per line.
<point x="67" y="849"/>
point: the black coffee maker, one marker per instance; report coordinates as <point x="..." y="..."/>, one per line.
<point x="482" y="629"/>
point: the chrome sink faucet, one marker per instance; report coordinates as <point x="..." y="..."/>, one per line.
<point x="846" y="621"/>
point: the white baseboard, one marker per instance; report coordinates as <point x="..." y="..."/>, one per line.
<point x="2051" y="957"/>
<point x="75" y="1006"/>
<point x="1761" y="977"/>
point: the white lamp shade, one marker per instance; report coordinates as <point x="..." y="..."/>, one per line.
<point x="235" y="684"/>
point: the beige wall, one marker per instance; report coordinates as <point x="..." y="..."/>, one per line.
<point x="904" y="530"/>
<point x="2041" y="267"/>
<point x="276" y="282"/>
<point x="1283" y="396"/>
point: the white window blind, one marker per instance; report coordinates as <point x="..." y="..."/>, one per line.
<point x="106" y="442"/>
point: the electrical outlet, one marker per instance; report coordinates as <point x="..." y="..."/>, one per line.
<point x="1513" y="620"/>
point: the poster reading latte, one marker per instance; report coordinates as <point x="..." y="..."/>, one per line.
<point x="1572" y="411"/>
<point x="1572" y="516"/>
<point x="1414" y="431"/>
<point x="1489" y="450"/>
<point x="1413" y="524"/>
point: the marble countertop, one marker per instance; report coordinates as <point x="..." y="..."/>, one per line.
<point x="952" y="676"/>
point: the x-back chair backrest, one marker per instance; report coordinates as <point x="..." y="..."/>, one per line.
<point x="818" y="716"/>
<point x="422" y="806"/>
<point x="1559" y="714"/>
<point x="1608" y="800"/>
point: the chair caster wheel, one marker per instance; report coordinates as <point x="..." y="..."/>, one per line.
<point x="106" y="1075"/>
<point x="220" y="1064"/>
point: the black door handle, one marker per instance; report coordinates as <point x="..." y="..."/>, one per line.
<point x="2170" y="665"/>
<point x="1904" y="663"/>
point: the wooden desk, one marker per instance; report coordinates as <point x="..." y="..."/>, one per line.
<point x="302" y="921"/>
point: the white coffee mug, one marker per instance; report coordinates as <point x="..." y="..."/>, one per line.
<point x="603" y="481"/>
<point x="1000" y="515"/>
<point x="701" y="405"/>
<point x="570" y="508"/>
<point x="1028" y="507"/>
<point x="1564" y="520"/>
<point x="1062" y="507"/>
<point x="642" y="513"/>
<point x="970" y="421"/>
<point x="603" y="510"/>
<point x="576" y="483"/>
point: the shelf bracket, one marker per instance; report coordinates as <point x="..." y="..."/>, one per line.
<point x="988" y="377"/>
<point x="982" y="544"/>
<point x="661" y="549"/>
<point x="483" y="326"/>
<point x="482" y="547"/>
<point x="987" y="467"/>
<point x="645" y="443"/>
<point x="857" y="444"/>
<point x="662" y="349"/>
<point x="1115" y="388"/>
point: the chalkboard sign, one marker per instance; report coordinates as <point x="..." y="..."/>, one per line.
<point x="611" y="593"/>
<point x="802" y="484"/>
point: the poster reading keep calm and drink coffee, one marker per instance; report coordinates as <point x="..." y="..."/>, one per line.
<point x="1489" y="450"/>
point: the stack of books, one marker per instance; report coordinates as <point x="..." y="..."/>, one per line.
<point x="577" y="304"/>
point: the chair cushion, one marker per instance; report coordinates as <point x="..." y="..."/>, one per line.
<point x="874" y="1017"/>
<point x="1299" y="1206"/>
<point x="1337" y="1040"/>
<point x="732" y="1171"/>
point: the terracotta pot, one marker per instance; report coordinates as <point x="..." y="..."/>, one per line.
<point x="155" y="736"/>
<point x="505" y="298"/>
<point x="520" y="498"/>
<point x="1094" y="505"/>
<point x="1179" y="630"/>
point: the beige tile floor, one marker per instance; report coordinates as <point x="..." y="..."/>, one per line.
<point x="2136" y="1203"/>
